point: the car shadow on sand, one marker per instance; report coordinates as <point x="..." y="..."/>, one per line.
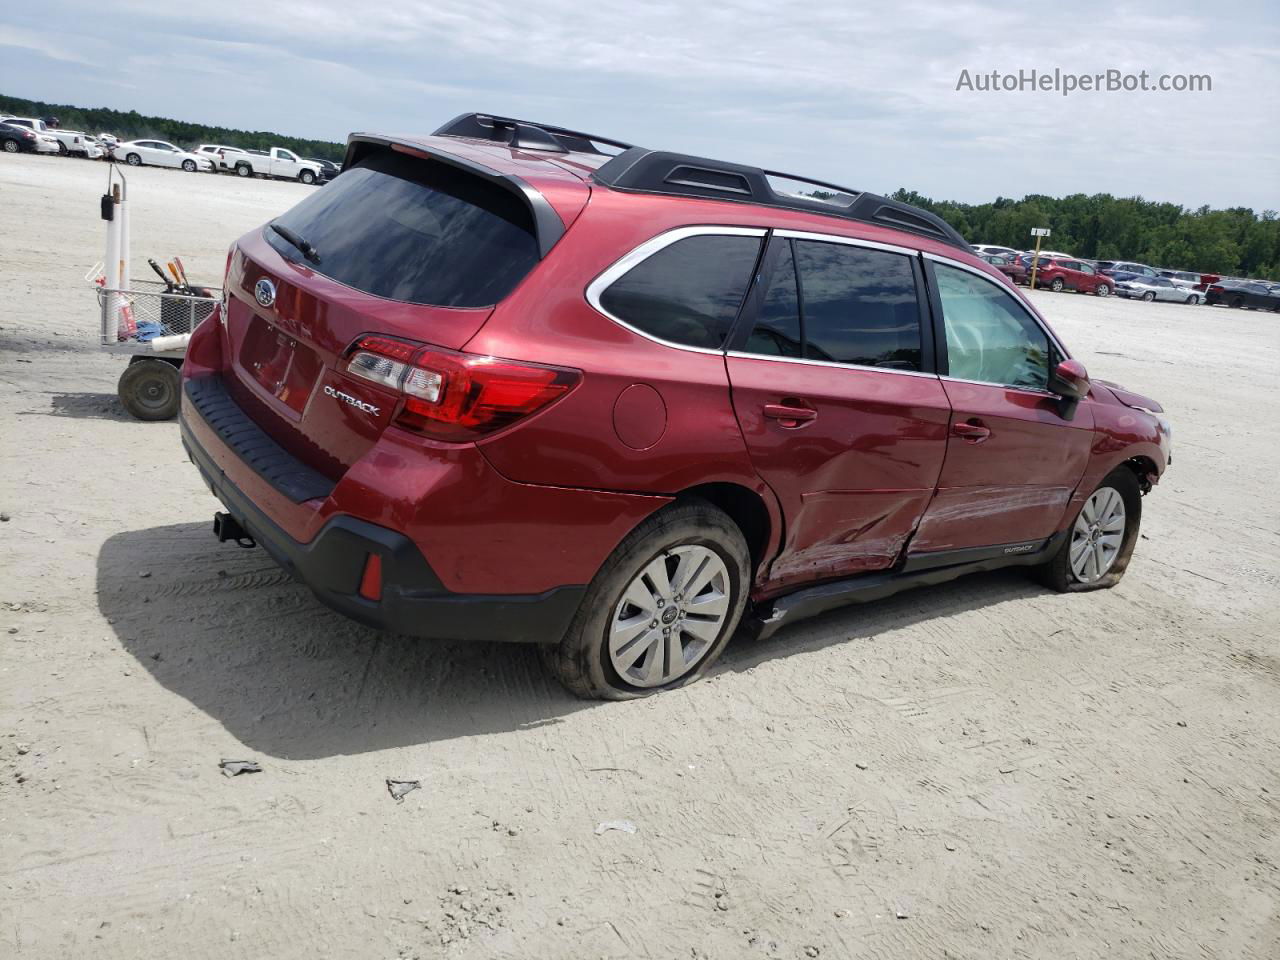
<point x="234" y="635"/>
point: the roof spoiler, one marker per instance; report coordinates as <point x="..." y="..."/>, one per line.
<point x="525" y="134"/>
<point x="547" y="223"/>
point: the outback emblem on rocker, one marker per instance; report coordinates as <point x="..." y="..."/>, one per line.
<point x="347" y="398"/>
<point x="264" y="291"/>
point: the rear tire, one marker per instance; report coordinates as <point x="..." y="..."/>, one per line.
<point x="1061" y="574"/>
<point x="1057" y="285"/>
<point x="1148" y="296"/>
<point x="684" y="543"/>
<point x="12" y="146"/>
<point x="62" y="149"/>
<point x="244" y="170"/>
<point x="1103" y="290"/>
<point x="1236" y="303"/>
<point x="133" y="160"/>
<point x="150" y="388"/>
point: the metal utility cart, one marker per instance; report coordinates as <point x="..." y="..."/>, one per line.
<point x="151" y="323"/>
<point x="148" y="320"/>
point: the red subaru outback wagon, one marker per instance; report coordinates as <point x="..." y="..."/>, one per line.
<point x="515" y="382"/>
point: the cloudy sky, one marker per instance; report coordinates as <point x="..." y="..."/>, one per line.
<point x="860" y="94"/>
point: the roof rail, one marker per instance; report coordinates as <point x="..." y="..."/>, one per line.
<point x="676" y="174"/>
<point x="525" y="134"/>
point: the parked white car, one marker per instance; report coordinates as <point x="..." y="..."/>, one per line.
<point x="158" y="153"/>
<point x="223" y="157"/>
<point x="991" y="250"/>
<point x="47" y="144"/>
<point x="68" y="141"/>
<point x="1155" y="288"/>
<point x="276" y="162"/>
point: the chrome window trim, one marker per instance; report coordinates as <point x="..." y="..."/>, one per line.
<point x="1003" y="386"/>
<point x="643" y="252"/>
<point x="835" y="364"/>
<point x="847" y="241"/>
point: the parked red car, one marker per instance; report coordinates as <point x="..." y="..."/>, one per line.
<point x="511" y="381"/>
<point x="1059" y="273"/>
<point x="1012" y="268"/>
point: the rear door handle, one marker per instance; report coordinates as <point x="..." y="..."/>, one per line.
<point x="788" y="415"/>
<point x="973" y="431"/>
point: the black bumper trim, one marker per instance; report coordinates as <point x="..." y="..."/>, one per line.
<point x="413" y="602"/>
<point x="285" y="472"/>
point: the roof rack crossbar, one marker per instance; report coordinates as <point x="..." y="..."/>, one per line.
<point x="658" y="171"/>
<point x="525" y="134"/>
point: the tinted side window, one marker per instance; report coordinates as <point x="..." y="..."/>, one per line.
<point x="689" y="292"/>
<point x="990" y="337"/>
<point x="858" y="305"/>
<point x="777" y="330"/>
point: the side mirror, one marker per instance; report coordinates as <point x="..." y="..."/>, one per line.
<point x="1070" y="381"/>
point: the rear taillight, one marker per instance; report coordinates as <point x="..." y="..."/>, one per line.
<point x="455" y="396"/>
<point x="1216" y="289"/>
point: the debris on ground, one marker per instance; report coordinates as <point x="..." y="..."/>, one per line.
<point x="233" y="768"/>
<point x="623" y="826"/>
<point x="398" y="788"/>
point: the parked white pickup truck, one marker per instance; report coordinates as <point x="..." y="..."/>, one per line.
<point x="69" y="141"/>
<point x="276" y="162"/>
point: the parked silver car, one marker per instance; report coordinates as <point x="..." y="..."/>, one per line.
<point x="1155" y="288"/>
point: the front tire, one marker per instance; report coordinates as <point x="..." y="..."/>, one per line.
<point x="307" y="177"/>
<point x="1101" y="538"/>
<point x="1194" y="300"/>
<point x="150" y="389"/>
<point x="662" y="608"/>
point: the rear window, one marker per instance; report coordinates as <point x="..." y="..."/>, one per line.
<point x="414" y="230"/>
<point x="688" y="292"/>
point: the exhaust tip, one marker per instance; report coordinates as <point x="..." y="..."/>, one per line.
<point x="226" y="527"/>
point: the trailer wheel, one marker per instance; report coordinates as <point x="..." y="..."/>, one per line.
<point x="150" y="388"/>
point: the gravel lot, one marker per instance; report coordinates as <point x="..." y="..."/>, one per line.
<point x="977" y="771"/>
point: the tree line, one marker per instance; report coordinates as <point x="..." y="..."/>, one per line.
<point x="132" y="125"/>
<point x="1232" y="242"/>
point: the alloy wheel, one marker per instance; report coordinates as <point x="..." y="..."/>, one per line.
<point x="1097" y="535"/>
<point x="670" y="616"/>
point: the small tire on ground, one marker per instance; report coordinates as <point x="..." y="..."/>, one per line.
<point x="581" y="659"/>
<point x="1057" y="573"/>
<point x="150" y="389"/>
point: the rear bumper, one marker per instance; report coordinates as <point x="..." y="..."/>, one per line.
<point x="413" y="600"/>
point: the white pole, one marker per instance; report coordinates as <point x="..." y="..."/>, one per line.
<point x="111" y="266"/>
<point x="122" y="212"/>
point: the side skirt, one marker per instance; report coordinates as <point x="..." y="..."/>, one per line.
<point x="919" y="571"/>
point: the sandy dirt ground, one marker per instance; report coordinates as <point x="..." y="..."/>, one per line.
<point x="982" y="770"/>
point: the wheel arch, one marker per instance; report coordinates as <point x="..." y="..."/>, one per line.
<point x="747" y="509"/>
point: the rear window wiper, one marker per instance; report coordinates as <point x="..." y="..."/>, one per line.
<point x="298" y="241"/>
